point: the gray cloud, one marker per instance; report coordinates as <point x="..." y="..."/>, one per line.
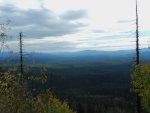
<point x="38" y="23"/>
<point x="74" y="15"/>
<point x="51" y="47"/>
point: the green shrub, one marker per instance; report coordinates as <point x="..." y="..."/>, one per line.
<point x="141" y="84"/>
<point x="16" y="98"/>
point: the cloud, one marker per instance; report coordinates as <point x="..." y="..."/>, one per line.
<point x="51" y="47"/>
<point x="125" y="21"/>
<point x="45" y="45"/>
<point x="98" y="31"/>
<point x="39" y="23"/>
<point x="74" y="14"/>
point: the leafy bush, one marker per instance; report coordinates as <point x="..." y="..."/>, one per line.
<point x="16" y="98"/>
<point x="141" y="84"/>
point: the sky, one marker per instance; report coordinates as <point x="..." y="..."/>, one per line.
<point x="75" y="25"/>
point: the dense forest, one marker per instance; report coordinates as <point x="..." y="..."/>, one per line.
<point x="99" y="86"/>
<point x="91" y="87"/>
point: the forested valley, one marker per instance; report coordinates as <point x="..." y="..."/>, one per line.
<point x="88" y="84"/>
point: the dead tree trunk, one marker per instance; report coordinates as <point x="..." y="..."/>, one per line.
<point x="138" y="103"/>
<point x="21" y="56"/>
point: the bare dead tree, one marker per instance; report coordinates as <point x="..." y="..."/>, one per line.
<point x="138" y="103"/>
<point x="21" y="55"/>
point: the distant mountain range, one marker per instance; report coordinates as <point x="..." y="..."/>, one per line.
<point x="85" y="56"/>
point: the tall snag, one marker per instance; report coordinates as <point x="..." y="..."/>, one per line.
<point x="138" y="103"/>
<point x="21" y="56"/>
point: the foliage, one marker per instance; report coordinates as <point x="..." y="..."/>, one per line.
<point x="4" y="28"/>
<point x="141" y="83"/>
<point x="43" y="73"/>
<point x="16" y="98"/>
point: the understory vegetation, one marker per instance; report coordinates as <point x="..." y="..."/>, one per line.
<point x="15" y="97"/>
<point x="141" y="84"/>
